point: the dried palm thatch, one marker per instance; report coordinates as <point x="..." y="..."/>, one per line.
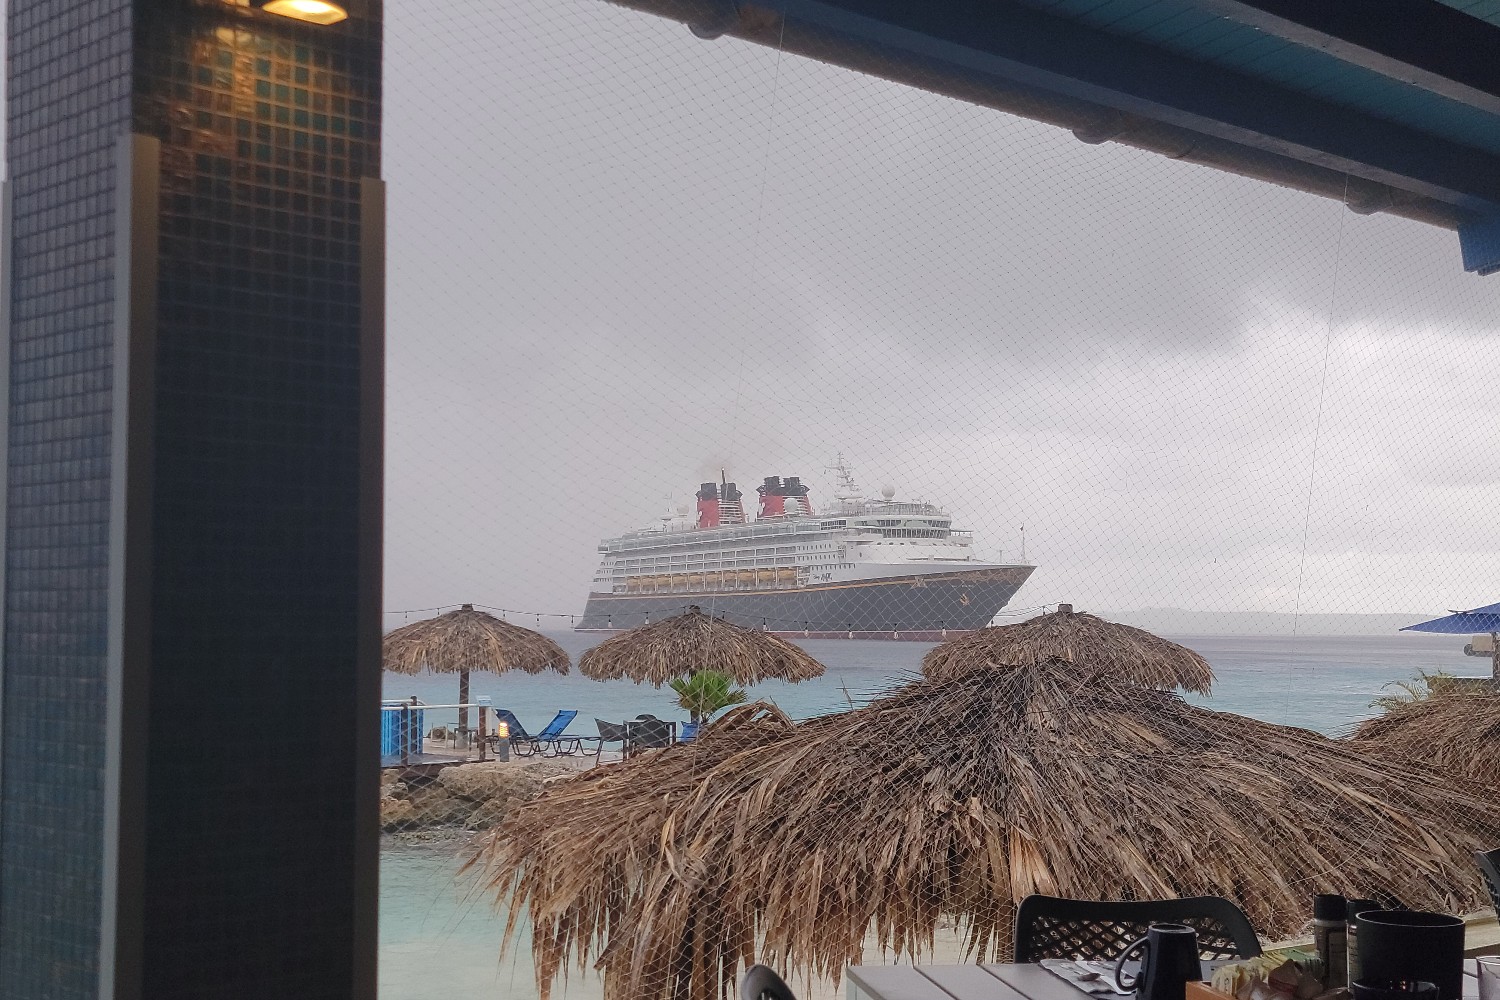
<point x="658" y="652"/>
<point x="464" y="641"/>
<point x="1458" y="734"/>
<point x="1094" y="646"/>
<point x="953" y="800"/>
<point x="469" y="640"/>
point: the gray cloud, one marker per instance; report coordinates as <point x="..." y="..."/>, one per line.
<point x="623" y="258"/>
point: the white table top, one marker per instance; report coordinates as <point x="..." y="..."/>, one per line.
<point x="988" y="982"/>
<point x="961" y="982"/>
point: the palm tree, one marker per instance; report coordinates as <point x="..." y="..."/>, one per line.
<point x="1423" y="687"/>
<point x="705" y="692"/>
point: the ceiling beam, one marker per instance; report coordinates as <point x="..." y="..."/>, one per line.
<point x="1005" y="41"/>
<point x="1421" y="42"/>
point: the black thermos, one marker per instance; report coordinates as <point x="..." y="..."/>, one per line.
<point x="1351" y="941"/>
<point x="1412" y="945"/>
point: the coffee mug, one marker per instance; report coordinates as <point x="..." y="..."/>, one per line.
<point x="1169" y="963"/>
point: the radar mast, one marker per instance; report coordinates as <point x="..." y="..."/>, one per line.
<point x="845" y="488"/>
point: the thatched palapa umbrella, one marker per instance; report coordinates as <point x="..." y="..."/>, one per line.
<point x="1091" y="643"/>
<point x="659" y="652"/>
<point x="954" y="799"/>
<point x="1457" y="733"/>
<point x="463" y="641"/>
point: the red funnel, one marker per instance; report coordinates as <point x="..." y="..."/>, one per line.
<point x="772" y="502"/>
<point x="708" y="505"/>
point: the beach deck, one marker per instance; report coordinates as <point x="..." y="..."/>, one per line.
<point x="430" y="761"/>
<point x="437" y="754"/>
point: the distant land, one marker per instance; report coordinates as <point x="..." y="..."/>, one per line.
<point x="1176" y="621"/>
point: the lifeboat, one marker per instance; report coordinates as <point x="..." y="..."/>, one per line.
<point x="633" y="585"/>
<point x="786" y="575"/>
<point x="695" y="581"/>
<point x="745" y="576"/>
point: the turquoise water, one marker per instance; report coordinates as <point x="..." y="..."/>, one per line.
<point x="438" y="937"/>
<point x="1319" y="682"/>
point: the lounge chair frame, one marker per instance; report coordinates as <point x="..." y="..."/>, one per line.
<point x="551" y="742"/>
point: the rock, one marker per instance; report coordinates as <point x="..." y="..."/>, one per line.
<point x="396" y="814"/>
<point x="481" y="782"/>
<point x="473" y="796"/>
<point x="488" y="814"/>
<point x="435" y="810"/>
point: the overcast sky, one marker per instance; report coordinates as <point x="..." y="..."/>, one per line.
<point x="623" y="258"/>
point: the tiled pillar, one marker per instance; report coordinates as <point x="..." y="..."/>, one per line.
<point x="188" y="701"/>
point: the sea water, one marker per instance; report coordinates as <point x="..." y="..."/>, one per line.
<point x="440" y="936"/>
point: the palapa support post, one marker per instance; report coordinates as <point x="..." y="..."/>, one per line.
<point x="463" y="702"/>
<point x="463" y="692"/>
<point x="483" y="729"/>
<point x="1495" y="657"/>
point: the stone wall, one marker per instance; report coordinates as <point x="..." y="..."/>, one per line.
<point x="464" y="796"/>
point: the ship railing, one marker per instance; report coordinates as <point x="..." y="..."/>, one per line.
<point x="753" y="529"/>
<point x="718" y="581"/>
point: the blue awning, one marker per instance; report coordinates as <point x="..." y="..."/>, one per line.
<point x="1479" y="620"/>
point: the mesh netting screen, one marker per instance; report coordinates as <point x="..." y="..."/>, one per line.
<point x="992" y="371"/>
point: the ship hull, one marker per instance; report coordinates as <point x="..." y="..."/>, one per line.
<point x="929" y="606"/>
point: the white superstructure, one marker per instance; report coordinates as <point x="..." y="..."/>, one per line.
<point x="856" y="538"/>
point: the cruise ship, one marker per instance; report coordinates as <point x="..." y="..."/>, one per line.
<point x="860" y="568"/>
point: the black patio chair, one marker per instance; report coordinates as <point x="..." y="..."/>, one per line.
<point x="760" y="983"/>
<point x="647" y="733"/>
<point x="1489" y="867"/>
<point x="1050" y="927"/>
<point x="609" y="732"/>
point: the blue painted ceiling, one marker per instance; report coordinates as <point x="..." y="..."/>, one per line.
<point x="1185" y="28"/>
<point x="1488" y="10"/>
<point x="1387" y="105"/>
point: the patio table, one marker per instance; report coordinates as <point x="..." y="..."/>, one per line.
<point x="990" y="982"/>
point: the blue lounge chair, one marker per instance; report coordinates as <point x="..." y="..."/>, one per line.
<point x="522" y="743"/>
<point x="551" y="742"/>
<point x="688" y="732"/>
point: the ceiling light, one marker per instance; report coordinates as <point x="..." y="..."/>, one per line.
<point x="316" y="11"/>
